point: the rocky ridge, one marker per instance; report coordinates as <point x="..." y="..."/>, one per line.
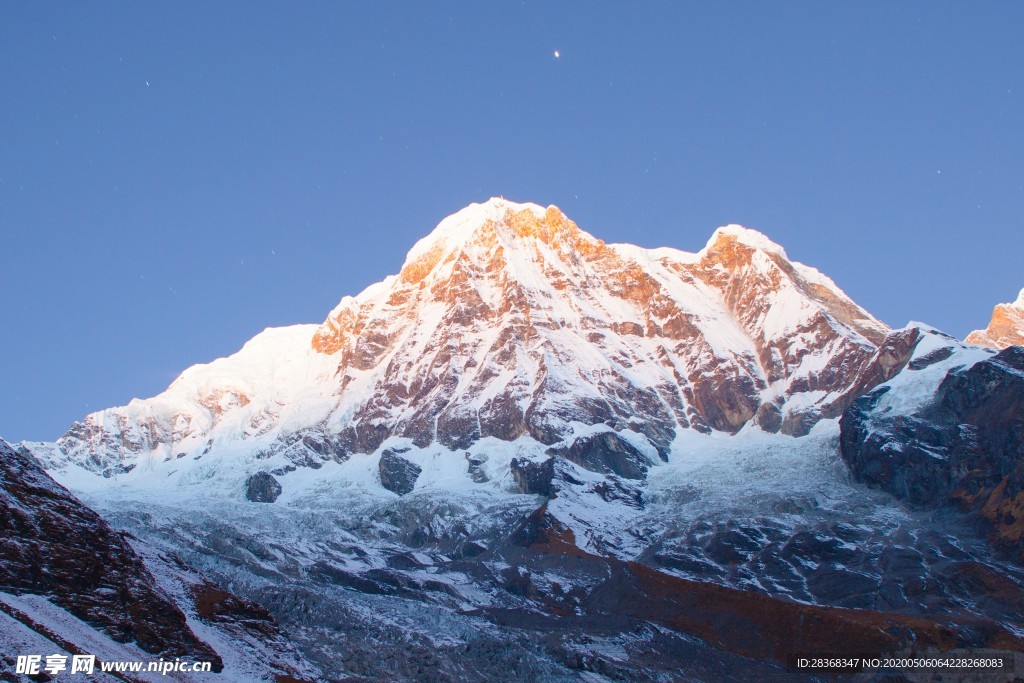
<point x="1006" y="327"/>
<point x="947" y="432"/>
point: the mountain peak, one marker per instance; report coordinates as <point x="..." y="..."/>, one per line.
<point x="1006" y="327"/>
<point x="737" y="234"/>
<point x="460" y="227"/>
<point x="495" y="223"/>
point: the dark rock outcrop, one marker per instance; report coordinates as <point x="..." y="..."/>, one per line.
<point x="398" y="474"/>
<point x="262" y="488"/>
<point x="606" y="453"/>
<point x="964" y="447"/>
<point x="533" y="477"/>
<point x="53" y="545"/>
<point x="909" y="458"/>
<point x="615" y="490"/>
<point x="475" y="467"/>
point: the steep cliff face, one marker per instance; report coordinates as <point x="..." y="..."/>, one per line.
<point x="949" y="430"/>
<point x="1006" y="327"/>
<point x="509" y="321"/>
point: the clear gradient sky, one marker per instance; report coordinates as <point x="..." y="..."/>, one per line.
<point x="174" y="177"/>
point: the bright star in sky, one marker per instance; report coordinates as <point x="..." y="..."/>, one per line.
<point x="557" y="54"/>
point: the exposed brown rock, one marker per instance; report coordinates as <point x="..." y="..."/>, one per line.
<point x="752" y="624"/>
<point x="889" y="359"/>
<point x="216" y="605"/>
<point x="1006" y="327"/>
<point x="714" y="392"/>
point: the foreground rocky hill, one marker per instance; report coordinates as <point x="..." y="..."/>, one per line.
<point x="70" y="584"/>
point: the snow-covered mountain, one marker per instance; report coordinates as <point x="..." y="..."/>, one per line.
<point x="1006" y="327"/>
<point x="509" y="322"/>
<point x="531" y="455"/>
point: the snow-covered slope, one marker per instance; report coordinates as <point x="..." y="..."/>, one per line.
<point x="508" y="322"/>
<point x="1006" y="327"/>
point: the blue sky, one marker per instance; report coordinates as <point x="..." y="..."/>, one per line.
<point x="174" y="177"/>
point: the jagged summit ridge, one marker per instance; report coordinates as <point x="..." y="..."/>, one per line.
<point x="746" y="236"/>
<point x="510" y="322"/>
<point x="1006" y="327"/>
<point x="460" y="227"/>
